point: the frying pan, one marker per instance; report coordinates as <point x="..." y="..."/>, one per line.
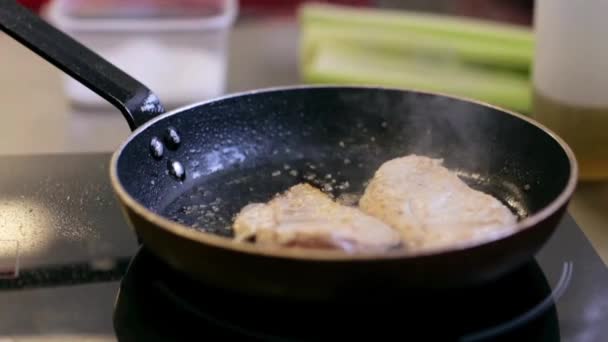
<point x="182" y="175"/>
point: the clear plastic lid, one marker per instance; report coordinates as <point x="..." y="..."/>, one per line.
<point x="147" y="15"/>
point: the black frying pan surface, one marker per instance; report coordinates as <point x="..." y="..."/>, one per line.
<point x="250" y="147"/>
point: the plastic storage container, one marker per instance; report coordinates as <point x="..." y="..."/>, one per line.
<point x="176" y="48"/>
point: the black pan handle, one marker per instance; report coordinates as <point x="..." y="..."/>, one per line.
<point x="136" y="102"/>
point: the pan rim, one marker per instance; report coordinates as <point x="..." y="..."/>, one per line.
<point x="212" y="240"/>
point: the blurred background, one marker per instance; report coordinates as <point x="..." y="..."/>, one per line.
<point x="192" y="50"/>
<point x="188" y="51"/>
<point x="517" y="11"/>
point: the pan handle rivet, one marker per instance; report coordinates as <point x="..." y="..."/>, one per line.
<point x="157" y="149"/>
<point x="176" y="169"/>
<point x="172" y="138"/>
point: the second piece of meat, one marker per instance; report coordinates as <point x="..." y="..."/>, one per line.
<point x="431" y="206"/>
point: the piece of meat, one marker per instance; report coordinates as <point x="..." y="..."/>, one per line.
<point x="431" y="206"/>
<point x="304" y="216"/>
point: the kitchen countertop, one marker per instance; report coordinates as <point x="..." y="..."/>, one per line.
<point x="37" y="118"/>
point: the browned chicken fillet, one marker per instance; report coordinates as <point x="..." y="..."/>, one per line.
<point x="304" y="216"/>
<point x="431" y="206"/>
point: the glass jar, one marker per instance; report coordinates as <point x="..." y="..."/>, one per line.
<point x="570" y="78"/>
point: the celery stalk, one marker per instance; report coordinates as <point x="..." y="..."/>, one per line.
<point x="405" y="21"/>
<point x="472" y="51"/>
<point x="337" y="63"/>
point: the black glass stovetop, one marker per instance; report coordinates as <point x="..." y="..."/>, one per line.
<point x="70" y="269"/>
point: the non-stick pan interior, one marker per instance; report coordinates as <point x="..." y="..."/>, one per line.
<point x="250" y="147"/>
